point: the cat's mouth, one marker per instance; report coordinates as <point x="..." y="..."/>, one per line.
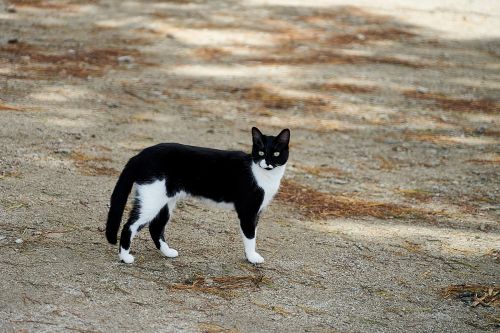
<point x="265" y="166"/>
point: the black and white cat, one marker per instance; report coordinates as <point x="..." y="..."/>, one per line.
<point x="167" y="172"/>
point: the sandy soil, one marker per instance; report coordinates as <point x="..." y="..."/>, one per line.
<point x="391" y="197"/>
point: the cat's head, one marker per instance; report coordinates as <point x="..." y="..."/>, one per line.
<point x="268" y="151"/>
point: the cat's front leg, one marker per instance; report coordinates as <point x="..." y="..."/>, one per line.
<point x="248" y="228"/>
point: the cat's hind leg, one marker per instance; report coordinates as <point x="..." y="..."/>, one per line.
<point x="157" y="230"/>
<point x="130" y="229"/>
<point x="149" y="201"/>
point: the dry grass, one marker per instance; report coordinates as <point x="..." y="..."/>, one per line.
<point x="474" y="294"/>
<point x="4" y="107"/>
<point x="11" y="174"/>
<point x="210" y="53"/>
<point x="412" y="247"/>
<point x="345" y="15"/>
<point x="494" y="160"/>
<point x="273" y="100"/>
<point x="81" y="63"/>
<point x="214" y="328"/>
<point x="274" y="308"/>
<point x="220" y="285"/>
<point x="92" y="165"/>
<point x="320" y="205"/>
<point x="385" y="163"/>
<point x="347" y="88"/>
<point x="417" y="194"/>
<point x="430" y="136"/>
<point x="320" y="171"/>
<point x="456" y="104"/>
<point x="40" y="4"/>
<point x="371" y="35"/>
<point x="287" y="57"/>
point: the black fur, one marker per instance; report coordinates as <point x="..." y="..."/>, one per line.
<point x="219" y="175"/>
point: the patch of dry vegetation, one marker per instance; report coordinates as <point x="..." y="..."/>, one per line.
<point x="346" y="88"/>
<point x="323" y="56"/>
<point x="345" y="16"/>
<point x="417" y="194"/>
<point x="370" y="35"/>
<point x="273" y="100"/>
<point x="317" y="44"/>
<point x="274" y="308"/>
<point x="11" y="174"/>
<point x="493" y="160"/>
<point x="92" y="165"/>
<point x="386" y="163"/>
<point x="320" y="171"/>
<point x="456" y="104"/>
<point x="210" y="53"/>
<point x="214" y="328"/>
<point x="5" y="107"/>
<point x="80" y="63"/>
<point x="320" y="205"/>
<point x="41" y="4"/>
<point x="474" y="294"/>
<point x="221" y="285"/>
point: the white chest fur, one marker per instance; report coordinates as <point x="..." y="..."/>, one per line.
<point x="269" y="181"/>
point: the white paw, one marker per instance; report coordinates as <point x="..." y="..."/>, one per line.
<point x="168" y="252"/>
<point x="255" y="258"/>
<point x="126" y="257"/>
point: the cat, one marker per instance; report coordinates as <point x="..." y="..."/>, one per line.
<point x="168" y="172"/>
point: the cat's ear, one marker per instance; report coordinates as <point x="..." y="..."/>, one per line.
<point x="283" y="138"/>
<point x="257" y="137"/>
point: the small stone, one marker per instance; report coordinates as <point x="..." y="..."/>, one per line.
<point x="480" y="130"/>
<point x="360" y="36"/>
<point x="18" y="241"/>
<point x="339" y="181"/>
<point x="11" y="9"/>
<point x="422" y="90"/>
<point x="2" y="237"/>
<point x="126" y="59"/>
<point x="63" y="151"/>
<point x="71" y="51"/>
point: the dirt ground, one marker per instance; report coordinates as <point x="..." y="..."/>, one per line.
<point x="387" y="219"/>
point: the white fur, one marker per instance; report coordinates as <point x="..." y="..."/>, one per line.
<point x="152" y="198"/>
<point x="125" y="256"/>
<point x="250" y="252"/>
<point x="269" y="181"/>
<point x="263" y="164"/>
<point x="167" y="252"/>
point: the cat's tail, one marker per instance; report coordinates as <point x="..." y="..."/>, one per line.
<point x="119" y="200"/>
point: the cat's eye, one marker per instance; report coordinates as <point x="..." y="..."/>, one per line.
<point x="276" y="153"/>
<point x="261" y="153"/>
